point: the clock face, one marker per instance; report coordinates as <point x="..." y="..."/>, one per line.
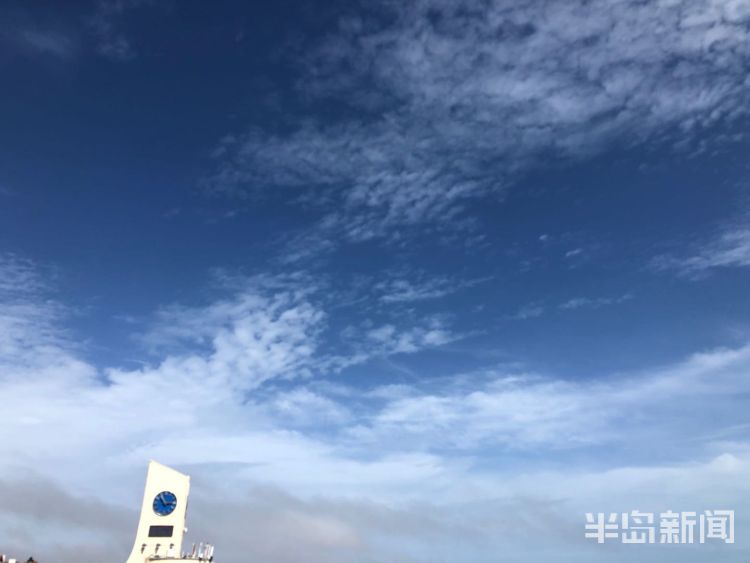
<point x="165" y="503"/>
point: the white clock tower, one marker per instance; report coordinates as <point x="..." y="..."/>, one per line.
<point x="162" y="525"/>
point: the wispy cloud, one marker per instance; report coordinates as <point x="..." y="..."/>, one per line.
<point x="388" y="339"/>
<point x="419" y="287"/>
<point x="730" y="249"/>
<point x="404" y="291"/>
<point x="23" y="36"/>
<point x="532" y="411"/>
<point x="534" y="310"/>
<point x="249" y="338"/>
<point x="594" y="303"/>
<point x="31" y="335"/>
<point x="530" y="311"/>
<point x="65" y="34"/>
<point x="457" y="98"/>
<point x="48" y="42"/>
<point x="278" y="327"/>
<point x="111" y="41"/>
<point x="19" y="276"/>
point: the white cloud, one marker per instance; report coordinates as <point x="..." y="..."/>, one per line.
<point x="304" y="407"/>
<point x="534" y="310"/>
<point x="352" y="470"/>
<point x="105" y="24"/>
<point x="388" y="339"/>
<point x="402" y="289"/>
<point x="249" y="338"/>
<point x="64" y="36"/>
<point x="19" y="276"/>
<point x="730" y="249"/>
<point x="510" y="411"/>
<point x="216" y="360"/>
<point x="272" y="327"/>
<point x="527" y="411"/>
<point x="531" y="311"/>
<point x="47" y="42"/>
<point x="31" y="336"/>
<point x="594" y="303"/>
<point x="458" y="98"/>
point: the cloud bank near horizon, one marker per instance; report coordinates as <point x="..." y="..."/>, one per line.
<point x="308" y="455"/>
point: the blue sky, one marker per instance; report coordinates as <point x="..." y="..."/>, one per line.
<point x="392" y="280"/>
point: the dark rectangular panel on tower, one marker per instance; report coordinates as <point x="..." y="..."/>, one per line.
<point x="160" y="531"/>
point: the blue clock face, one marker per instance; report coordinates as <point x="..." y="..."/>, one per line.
<point x="165" y="503"/>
